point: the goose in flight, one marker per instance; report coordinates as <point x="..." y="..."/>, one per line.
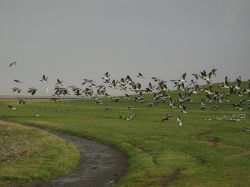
<point x="12" y="64"/>
<point x="55" y="99"/>
<point x="183" y="78"/>
<point x="172" y="103"/>
<point x="44" y="79"/>
<point x="162" y="86"/>
<point x="106" y="77"/>
<point x="206" y="77"/>
<point x="22" y="101"/>
<point x="12" y="107"/>
<point x="155" y="79"/>
<point x="136" y="87"/>
<point x="238" y="105"/>
<point x="213" y="72"/>
<point x="129" y="80"/>
<point x="15" y="89"/>
<point x="32" y="90"/>
<point x="130" y="108"/>
<point x="225" y="83"/>
<point x="115" y="99"/>
<point x="179" y="121"/>
<point x="122" y="82"/>
<point x="58" y="81"/>
<point x="98" y="101"/>
<point x="247" y="90"/>
<point x="196" y="75"/>
<point x="113" y="83"/>
<point x="176" y="83"/>
<point x="196" y="89"/>
<point x="140" y="75"/>
<point x="17" y="81"/>
<point x="130" y="116"/>
<point x="126" y="96"/>
<point x="150" y="104"/>
<point x="184" y="108"/>
<point x="237" y="84"/>
<point x="202" y="104"/>
<point x="139" y="99"/>
<point x="87" y="81"/>
<point x="166" y="117"/>
<point x="193" y="83"/>
<point x="108" y="108"/>
<point x="150" y="87"/>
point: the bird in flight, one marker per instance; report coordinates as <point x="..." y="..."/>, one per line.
<point x="22" y="101"/>
<point x="17" y="81"/>
<point x="12" y="64"/>
<point x="44" y="79"/>
<point x="140" y="75"/>
<point x="58" y="81"/>
<point x="15" y="89"/>
<point x="32" y="90"/>
<point x="179" y="121"/>
<point x="12" y="107"/>
<point x="106" y="77"/>
<point x="108" y="108"/>
<point x="166" y="117"/>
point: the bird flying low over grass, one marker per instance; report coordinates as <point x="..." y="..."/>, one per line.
<point x="22" y="101"/>
<point x="12" y="107"/>
<point x="17" y="81"/>
<point x="129" y="117"/>
<point x="179" y="121"/>
<point x="184" y="108"/>
<point x="156" y="92"/>
<point x="183" y="77"/>
<point x="116" y="99"/>
<point x="108" y="108"/>
<point x="166" y="117"/>
<point x="130" y="108"/>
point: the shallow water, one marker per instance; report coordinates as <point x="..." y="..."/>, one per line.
<point x="99" y="166"/>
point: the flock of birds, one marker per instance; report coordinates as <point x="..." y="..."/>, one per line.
<point x="157" y="87"/>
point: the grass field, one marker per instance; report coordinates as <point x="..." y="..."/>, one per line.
<point x="209" y="150"/>
<point x="28" y="154"/>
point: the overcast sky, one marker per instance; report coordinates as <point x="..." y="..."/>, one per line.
<point x="76" y="39"/>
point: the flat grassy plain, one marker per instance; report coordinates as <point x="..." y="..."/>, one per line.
<point x="209" y="150"/>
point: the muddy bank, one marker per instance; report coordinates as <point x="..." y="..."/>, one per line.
<point x="100" y="166"/>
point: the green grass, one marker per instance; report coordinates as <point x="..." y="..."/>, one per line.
<point x="28" y="154"/>
<point x="200" y="153"/>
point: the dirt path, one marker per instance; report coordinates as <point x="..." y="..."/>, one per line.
<point x="100" y="166"/>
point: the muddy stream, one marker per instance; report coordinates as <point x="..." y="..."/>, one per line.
<point x="99" y="166"/>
